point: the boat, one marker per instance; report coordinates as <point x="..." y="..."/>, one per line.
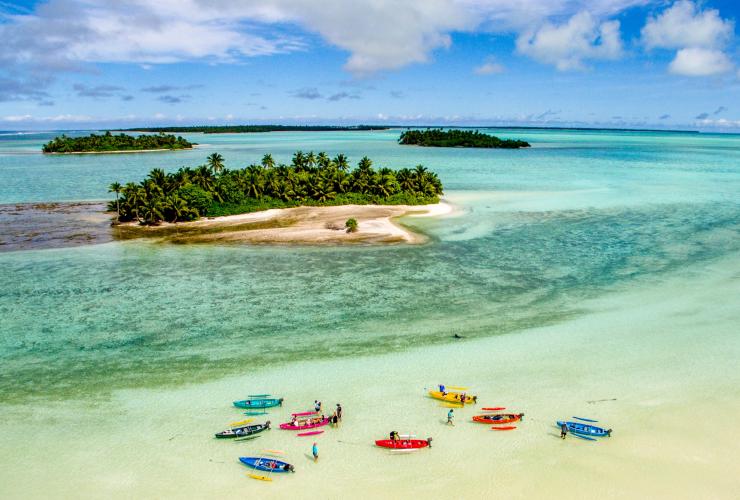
<point x="259" y="403"/>
<point x="453" y="397"/>
<point x="267" y="464"/>
<point x="498" y="418"/>
<point x="404" y="444"/>
<point x="585" y="429"/>
<point x="244" y="430"/>
<point x="307" y="423"/>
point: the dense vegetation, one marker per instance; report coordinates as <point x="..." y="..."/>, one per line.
<point x="224" y="129"/>
<point x="458" y="138"/>
<point x="110" y="142"/>
<point x="310" y="179"/>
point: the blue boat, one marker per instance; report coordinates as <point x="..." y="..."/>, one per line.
<point x="267" y="464"/>
<point x="258" y="403"/>
<point x="585" y="429"/>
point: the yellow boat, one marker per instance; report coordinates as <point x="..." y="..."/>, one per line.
<point x="453" y="397"/>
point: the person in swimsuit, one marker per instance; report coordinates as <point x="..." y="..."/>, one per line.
<point x="563" y="431"/>
<point x="339" y="412"/>
<point x="315" y="452"/>
<point x="450" y="416"/>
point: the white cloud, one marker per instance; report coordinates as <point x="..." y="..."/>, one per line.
<point x="489" y="67"/>
<point x="699" y="35"/>
<point x="377" y="34"/>
<point x="700" y="62"/>
<point x="567" y="45"/>
<point x="685" y="25"/>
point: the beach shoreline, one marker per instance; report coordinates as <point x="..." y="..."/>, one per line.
<point x="120" y="151"/>
<point x="377" y="224"/>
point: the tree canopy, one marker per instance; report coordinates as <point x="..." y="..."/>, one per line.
<point x="458" y="138"/>
<point x="109" y="142"/>
<point x="310" y="179"/>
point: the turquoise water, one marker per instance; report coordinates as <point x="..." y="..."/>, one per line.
<point x="541" y="230"/>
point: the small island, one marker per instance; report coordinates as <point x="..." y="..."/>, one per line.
<point x="457" y="139"/>
<point x="314" y="180"/>
<point x="249" y="129"/>
<point x="109" y="143"/>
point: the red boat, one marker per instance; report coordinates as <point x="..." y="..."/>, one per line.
<point x="404" y="444"/>
<point x="498" y="418"/>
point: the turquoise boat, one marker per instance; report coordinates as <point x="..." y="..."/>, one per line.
<point x="259" y="403"/>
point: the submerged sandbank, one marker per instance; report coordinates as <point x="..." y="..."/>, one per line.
<point x="300" y="225"/>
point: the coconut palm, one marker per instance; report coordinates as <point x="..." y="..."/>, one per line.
<point x="216" y="162"/>
<point x="116" y="187"/>
<point x="268" y="162"/>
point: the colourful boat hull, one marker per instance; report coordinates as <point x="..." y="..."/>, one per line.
<point x="266" y="464"/>
<point x="292" y="427"/>
<point x="258" y="403"/>
<point x="243" y="430"/>
<point x="585" y="429"/>
<point x="403" y="444"/>
<point x="453" y="397"/>
<point x="498" y="418"/>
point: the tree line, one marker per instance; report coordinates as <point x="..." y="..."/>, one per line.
<point x="110" y="142"/>
<point x="310" y="179"/>
<point x="226" y="129"/>
<point x="458" y="138"/>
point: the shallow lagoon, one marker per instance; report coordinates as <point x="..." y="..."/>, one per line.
<point x="541" y="236"/>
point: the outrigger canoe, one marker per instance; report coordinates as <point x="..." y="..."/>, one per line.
<point x="453" y="397"/>
<point x="244" y="430"/>
<point x="259" y="403"/>
<point x="585" y="429"/>
<point x="404" y="444"/>
<point x="267" y="464"/>
<point x="303" y="424"/>
<point x="498" y="418"/>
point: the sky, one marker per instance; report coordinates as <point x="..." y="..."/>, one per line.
<point x="80" y="64"/>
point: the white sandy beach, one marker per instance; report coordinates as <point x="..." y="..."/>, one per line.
<point x="302" y="225"/>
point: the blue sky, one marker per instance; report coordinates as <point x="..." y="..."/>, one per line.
<point x="616" y="63"/>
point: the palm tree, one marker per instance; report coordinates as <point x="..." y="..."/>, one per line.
<point x="268" y="162"/>
<point x="341" y="162"/>
<point x="216" y="162"/>
<point x="176" y="207"/>
<point x="152" y="210"/>
<point x="116" y="188"/>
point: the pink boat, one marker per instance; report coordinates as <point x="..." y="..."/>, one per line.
<point x="304" y="424"/>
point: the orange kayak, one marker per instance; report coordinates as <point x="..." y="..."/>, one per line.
<point x="498" y="418"/>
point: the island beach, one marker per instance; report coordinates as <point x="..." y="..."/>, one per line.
<point x="300" y="225"/>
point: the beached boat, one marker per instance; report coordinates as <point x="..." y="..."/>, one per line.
<point x="404" y="444"/>
<point x="244" y="430"/>
<point x="585" y="429"/>
<point x="453" y="397"/>
<point x="259" y="403"/>
<point x="302" y="424"/>
<point x="267" y="464"/>
<point x="498" y="418"/>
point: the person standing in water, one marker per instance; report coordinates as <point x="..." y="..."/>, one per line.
<point x="339" y="412"/>
<point x="315" y="452"/>
<point x="563" y="430"/>
<point x="317" y="405"/>
<point x="450" y="416"/>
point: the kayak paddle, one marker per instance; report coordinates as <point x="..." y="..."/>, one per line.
<point x="241" y="422"/>
<point x="585" y="419"/>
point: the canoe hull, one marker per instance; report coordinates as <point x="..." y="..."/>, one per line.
<point x="266" y="464"/>
<point x="242" y="431"/>
<point x="498" y="418"/>
<point x="291" y="427"/>
<point x="453" y="397"/>
<point x="258" y="403"/>
<point x="585" y="429"/>
<point x="403" y="444"/>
